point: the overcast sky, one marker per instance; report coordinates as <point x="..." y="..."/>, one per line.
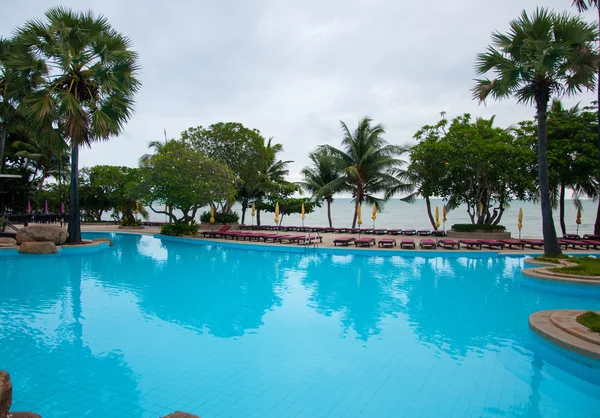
<point x="293" y="70"/>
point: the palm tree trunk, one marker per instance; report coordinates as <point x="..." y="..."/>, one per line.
<point x="2" y="144"/>
<point x="597" y="224"/>
<point x="551" y="247"/>
<point x="329" y="212"/>
<point x="428" y="203"/>
<point x="74" y="228"/>
<point x="258" y="217"/>
<point x="561" y="209"/>
<point x="244" y="207"/>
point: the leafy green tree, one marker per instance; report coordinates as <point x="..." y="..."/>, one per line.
<point x="368" y="165"/>
<point x="542" y="55"/>
<point x="582" y="6"/>
<point x="322" y="172"/>
<point x="43" y="156"/>
<point x="183" y="178"/>
<point x="87" y="83"/>
<point x="287" y="206"/>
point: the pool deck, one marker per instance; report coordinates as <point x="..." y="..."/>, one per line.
<point x="328" y="239"/>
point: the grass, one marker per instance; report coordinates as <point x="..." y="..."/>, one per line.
<point x="554" y="260"/>
<point x="591" y="320"/>
<point x="585" y="267"/>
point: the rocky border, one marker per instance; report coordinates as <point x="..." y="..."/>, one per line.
<point x="560" y="327"/>
<point x="543" y="273"/>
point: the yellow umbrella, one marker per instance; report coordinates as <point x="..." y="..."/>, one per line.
<point x="444" y="219"/>
<point x="374" y="215"/>
<point x="276" y="213"/>
<point x="212" y="214"/>
<point x="358" y="214"/>
<point x="137" y="207"/>
<point x="253" y="209"/>
<point x="520" y="221"/>
<point x="578" y="220"/>
<point x="303" y="215"/>
<point x="437" y="217"/>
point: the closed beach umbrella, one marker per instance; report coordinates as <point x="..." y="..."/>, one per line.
<point x="29" y="206"/>
<point x="137" y="207"/>
<point x="437" y="217"/>
<point x="374" y="215"/>
<point x="276" y="213"/>
<point x="578" y="220"/>
<point x="358" y="215"/>
<point x="253" y="212"/>
<point x="46" y="207"/>
<point x="520" y="221"/>
<point x="212" y="214"/>
<point x="303" y="215"/>
<point x="444" y="219"/>
<point x="62" y="208"/>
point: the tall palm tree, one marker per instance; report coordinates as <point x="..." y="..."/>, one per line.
<point x="582" y="6"/>
<point x="45" y="157"/>
<point x="89" y="80"/>
<point x="368" y="165"/>
<point x="157" y="146"/>
<point x="318" y="175"/>
<point x="542" y="55"/>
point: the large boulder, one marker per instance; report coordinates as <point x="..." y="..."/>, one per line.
<point x="47" y="247"/>
<point x="33" y="233"/>
<point x="179" y="414"/>
<point x="7" y="241"/>
<point x="5" y="393"/>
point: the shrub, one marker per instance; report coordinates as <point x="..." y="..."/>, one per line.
<point x="180" y="228"/>
<point x="220" y="217"/>
<point x="475" y="227"/>
<point x="130" y="222"/>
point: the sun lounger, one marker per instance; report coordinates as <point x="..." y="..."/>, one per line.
<point x="308" y="240"/>
<point x="438" y="233"/>
<point x="427" y="243"/>
<point x="533" y="243"/>
<point x="234" y="234"/>
<point x="573" y="243"/>
<point x="513" y="243"/>
<point x="380" y="231"/>
<point x="394" y="231"/>
<point x="409" y="232"/>
<point x="423" y="232"/>
<point x="591" y="237"/>
<point x="471" y="243"/>
<point x="571" y="236"/>
<point x="407" y="243"/>
<point x="449" y="243"/>
<point x="492" y="243"/>
<point x="343" y="241"/>
<point x="364" y="242"/>
<point x="271" y="237"/>
<point x="592" y="243"/>
<point x="213" y="234"/>
<point x="291" y="238"/>
<point x="387" y="242"/>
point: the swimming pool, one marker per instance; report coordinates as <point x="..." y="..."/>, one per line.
<point x="150" y="326"/>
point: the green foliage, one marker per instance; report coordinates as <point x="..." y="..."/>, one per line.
<point x="586" y="266"/>
<point x="590" y="320"/>
<point x="183" y="178"/>
<point x="475" y="163"/>
<point x="287" y="206"/>
<point x="220" y="217"/>
<point x="180" y="228"/>
<point x="478" y="228"/>
<point x="553" y="260"/>
<point x="131" y="222"/>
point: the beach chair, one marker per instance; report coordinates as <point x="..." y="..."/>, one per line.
<point x="386" y="242"/>
<point x="409" y="232"/>
<point x="364" y="242"/>
<point x="380" y="231"/>
<point x="513" y="243"/>
<point x="571" y="236"/>
<point x="533" y="243"/>
<point x="471" y="243"/>
<point x="573" y="243"/>
<point x="592" y="243"/>
<point x="591" y="237"/>
<point x="291" y="238"/>
<point x="438" y="233"/>
<point x="213" y="234"/>
<point x="423" y="232"/>
<point x="407" y="243"/>
<point x="492" y="243"/>
<point x="427" y="243"/>
<point x="309" y="240"/>
<point x="449" y="243"/>
<point x="394" y="231"/>
<point x="343" y="241"/>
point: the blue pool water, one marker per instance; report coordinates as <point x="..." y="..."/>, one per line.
<point x="149" y="326"/>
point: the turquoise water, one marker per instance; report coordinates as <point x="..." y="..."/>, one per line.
<point x="149" y="326"/>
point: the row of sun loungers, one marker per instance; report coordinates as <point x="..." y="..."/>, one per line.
<point x="225" y="233"/>
<point x="370" y="231"/>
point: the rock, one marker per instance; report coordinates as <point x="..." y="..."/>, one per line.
<point x="179" y="414"/>
<point x="47" y="247"/>
<point x="5" y="393"/>
<point x="34" y="233"/>
<point x="23" y="415"/>
<point x="110" y="243"/>
<point x="8" y="241"/>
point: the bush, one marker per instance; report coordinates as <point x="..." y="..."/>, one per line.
<point x="475" y="227"/>
<point x="220" y="217"/>
<point x="131" y="222"/>
<point x="180" y="228"/>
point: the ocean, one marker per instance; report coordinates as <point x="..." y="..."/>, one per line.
<point x="402" y="215"/>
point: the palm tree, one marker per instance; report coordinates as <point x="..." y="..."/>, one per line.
<point x="582" y="6"/>
<point x="368" y="165"/>
<point x="89" y="79"/>
<point x="542" y="55"/>
<point x="157" y="146"/>
<point x="45" y="157"/>
<point x="317" y="176"/>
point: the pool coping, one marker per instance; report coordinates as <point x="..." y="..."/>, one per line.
<point x="542" y="324"/>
